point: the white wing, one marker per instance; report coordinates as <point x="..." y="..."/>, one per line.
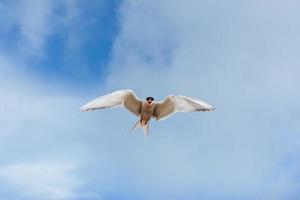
<point x="178" y="103"/>
<point x="125" y="98"/>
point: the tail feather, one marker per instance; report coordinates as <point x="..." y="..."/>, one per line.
<point x="146" y="129"/>
<point x="141" y="124"/>
<point x="136" y="125"/>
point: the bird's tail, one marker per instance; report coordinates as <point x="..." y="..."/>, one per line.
<point x="144" y="124"/>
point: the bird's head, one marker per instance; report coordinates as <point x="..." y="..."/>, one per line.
<point x="149" y="100"/>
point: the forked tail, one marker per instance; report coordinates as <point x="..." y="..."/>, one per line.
<point x="144" y="124"/>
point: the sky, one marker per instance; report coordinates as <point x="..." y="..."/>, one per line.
<point x="240" y="56"/>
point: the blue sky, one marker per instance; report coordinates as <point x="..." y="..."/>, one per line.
<point x="242" y="57"/>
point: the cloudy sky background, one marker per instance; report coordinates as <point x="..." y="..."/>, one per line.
<point x="242" y="57"/>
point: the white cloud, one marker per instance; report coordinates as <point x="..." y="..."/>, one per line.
<point x="42" y="179"/>
<point x="222" y="53"/>
<point x="246" y="149"/>
<point x="39" y="144"/>
<point x="35" y="20"/>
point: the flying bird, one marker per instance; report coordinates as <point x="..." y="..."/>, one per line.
<point x="147" y="109"/>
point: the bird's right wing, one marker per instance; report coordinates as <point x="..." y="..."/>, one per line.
<point x="178" y="103"/>
<point x="125" y="98"/>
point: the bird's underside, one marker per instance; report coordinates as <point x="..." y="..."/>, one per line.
<point x="147" y="109"/>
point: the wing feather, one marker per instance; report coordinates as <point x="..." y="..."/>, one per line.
<point x="179" y="103"/>
<point x="125" y="98"/>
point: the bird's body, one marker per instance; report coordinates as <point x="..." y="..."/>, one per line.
<point x="148" y="109"/>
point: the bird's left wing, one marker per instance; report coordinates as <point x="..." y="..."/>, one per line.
<point x="125" y="98"/>
<point x="179" y="103"/>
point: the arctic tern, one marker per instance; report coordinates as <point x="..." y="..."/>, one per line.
<point x="147" y="109"/>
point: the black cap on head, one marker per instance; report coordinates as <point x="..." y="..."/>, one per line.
<point x="149" y="99"/>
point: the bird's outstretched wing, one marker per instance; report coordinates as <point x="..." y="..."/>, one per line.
<point x="125" y="98"/>
<point x="178" y="103"/>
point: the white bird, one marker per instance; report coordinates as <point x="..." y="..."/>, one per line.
<point x="147" y="109"/>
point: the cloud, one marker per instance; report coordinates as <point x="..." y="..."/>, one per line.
<point x="228" y="56"/>
<point x="35" y="22"/>
<point x="42" y="179"/>
<point x="233" y="55"/>
<point x="40" y="160"/>
<point x="32" y="23"/>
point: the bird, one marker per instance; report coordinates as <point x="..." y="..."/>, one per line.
<point x="147" y="109"/>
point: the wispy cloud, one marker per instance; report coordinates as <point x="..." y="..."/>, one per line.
<point x="35" y="164"/>
<point x="234" y="55"/>
<point x="220" y="53"/>
<point x="34" y="20"/>
<point x="42" y="179"/>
